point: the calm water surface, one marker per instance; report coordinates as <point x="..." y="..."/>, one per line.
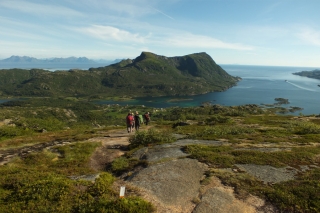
<point x="259" y="85"/>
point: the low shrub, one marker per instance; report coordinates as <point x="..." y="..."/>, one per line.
<point x="300" y="195"/>
<point x="102" y="185"/>
<point x="49" y="124"/>
<point x="216" y="119"/>
<point x="130" y="204"/>
<point x="120" y="164"/>
<point x="7" y="132"/>
<point x="302" y="127"/>
<point x="145" y="138"/>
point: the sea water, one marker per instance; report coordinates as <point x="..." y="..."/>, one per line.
<point x="259" y="85"/>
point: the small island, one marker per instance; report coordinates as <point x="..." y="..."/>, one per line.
<point x="282" y="101"/>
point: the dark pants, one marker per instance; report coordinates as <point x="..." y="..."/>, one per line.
<point x="137" y="126"/>
<point x="129" y="127"/>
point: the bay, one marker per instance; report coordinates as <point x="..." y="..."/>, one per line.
<point x="259" y="85"/>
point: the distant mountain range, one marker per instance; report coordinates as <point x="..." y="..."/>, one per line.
<point x="68" y="63"/>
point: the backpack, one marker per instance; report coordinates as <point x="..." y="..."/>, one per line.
<point x="137" y="119"/>
<point x="129" y="119"/>
<point x="147" y="116"/>
<point x="141" y="119"/>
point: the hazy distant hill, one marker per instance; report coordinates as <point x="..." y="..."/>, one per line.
<point x="147" y="75"/>
<point x="26" y="62"/>
<point x="27" y="59"/>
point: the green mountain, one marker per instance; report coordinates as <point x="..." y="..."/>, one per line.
<point x="147" y="75"/>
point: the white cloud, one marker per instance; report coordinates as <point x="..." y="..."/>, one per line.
<point x="108" y="33"/>
<point x="206" y="42"/>
<point x="39" y="9"/>
<point x="310" y="36"/>
<point x="179" y="39"/>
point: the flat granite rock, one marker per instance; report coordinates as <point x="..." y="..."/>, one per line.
<point x="159" y="153"/>
<point x="185" y="142"/>
<point x="172" y="182"/>
<point x="221" y="201"/>
<point x="269" y="174"/>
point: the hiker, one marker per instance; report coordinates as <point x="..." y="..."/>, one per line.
<point x="147" y="118"/>
<point x="133" y="122"/>
<point x="140" y="118"/>
<point x="129" y="121"/>
<point x="137" y="121"/>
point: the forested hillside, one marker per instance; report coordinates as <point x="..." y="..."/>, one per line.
<point x="147" y="75"/>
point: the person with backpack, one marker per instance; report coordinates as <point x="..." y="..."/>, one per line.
<point x="129" y="121"/>
<point x="140" y="118"/>
<point x="133" y="121"/>
<point x="137" y="121"/>
<point x="147" y="118"/>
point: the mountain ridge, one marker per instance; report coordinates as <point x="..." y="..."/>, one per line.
<point x="146" y="75"/>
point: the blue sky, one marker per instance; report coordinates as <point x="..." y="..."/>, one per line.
<point x="252" y="32"/>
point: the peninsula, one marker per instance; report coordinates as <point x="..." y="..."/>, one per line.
<point x="310" y="74"/>
<point x="146" y="75"/>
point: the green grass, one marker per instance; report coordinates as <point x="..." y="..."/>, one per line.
<point x="226" y="156"/>
<point x="300" y="195"/>
<point x="267" y="120"/>
<point x="220" y="131"/>
<point x="24" y="181"/>
<point x="40" y="183"/>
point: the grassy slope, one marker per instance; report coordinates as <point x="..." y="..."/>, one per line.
<point x="237" y="125"/>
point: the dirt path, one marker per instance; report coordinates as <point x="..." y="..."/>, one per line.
<point x="112" y="138"/>
<point x="112" y="146"/>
